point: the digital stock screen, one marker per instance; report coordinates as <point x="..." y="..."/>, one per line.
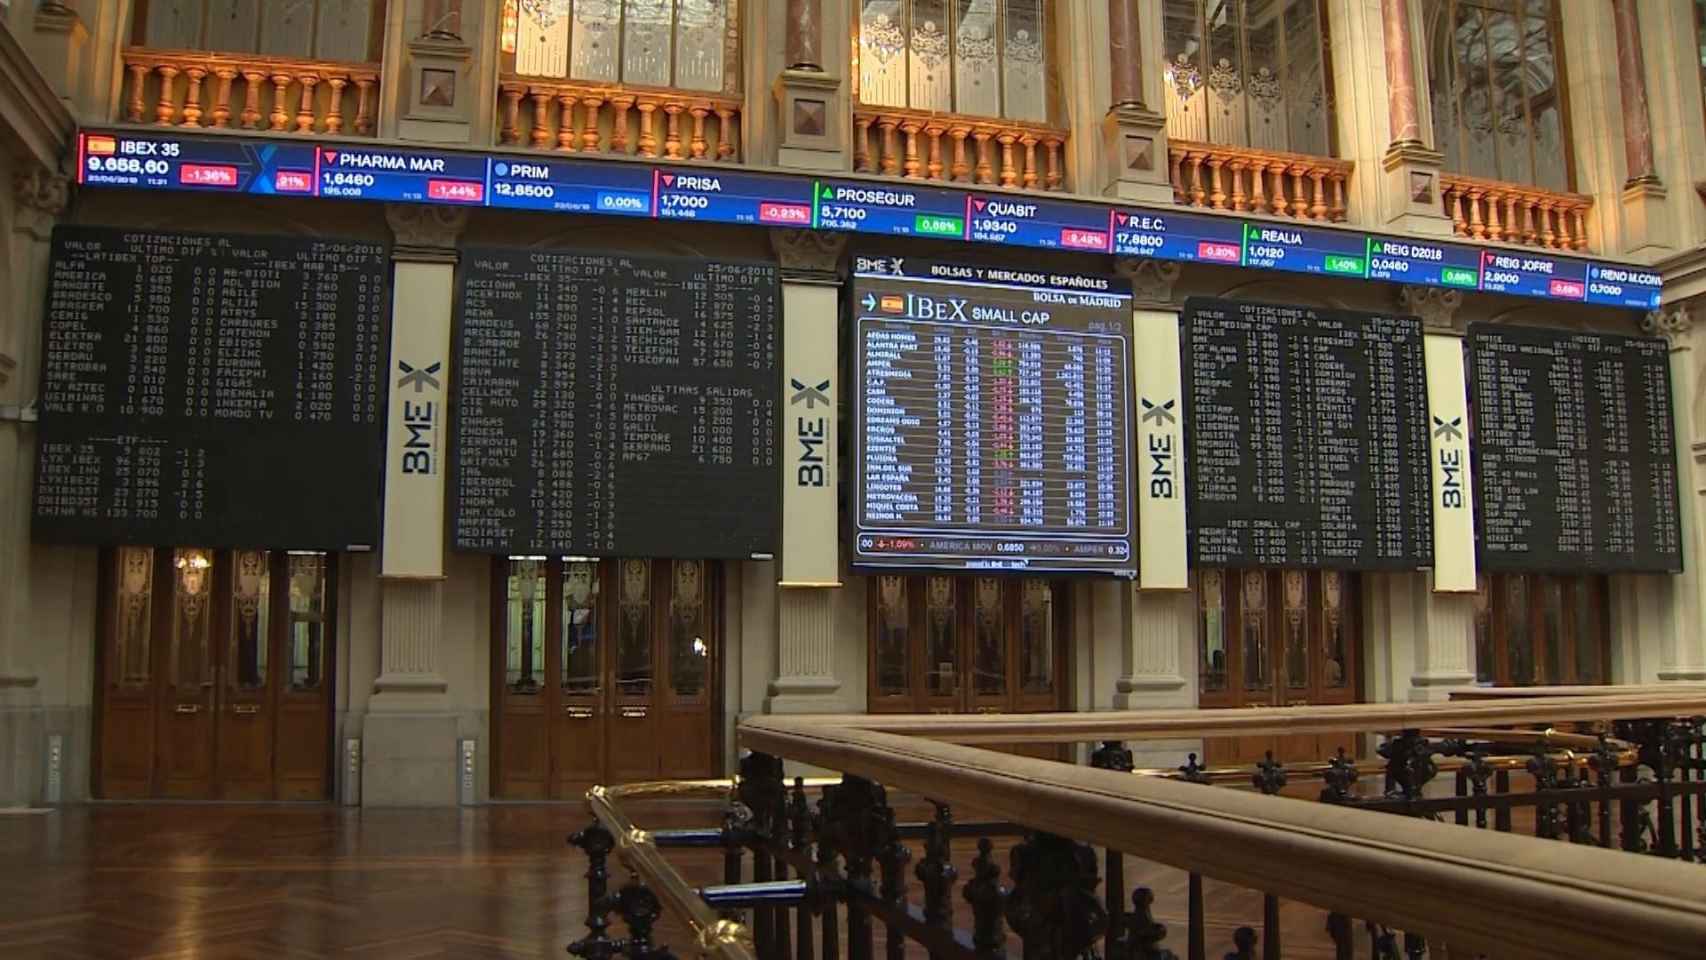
<point x="710" y="194"/>
<point x="1575" y="451"/>
<point x="1308" y="442"/>
<point x="991" y="419"/>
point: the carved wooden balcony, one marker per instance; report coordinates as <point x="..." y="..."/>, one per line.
<point x="1296" y="185"/>
<point x="1515" y="213"/>
<point x="571" y="116"/>
<point x="920" y="145"/>
<point x="196" y="88"/>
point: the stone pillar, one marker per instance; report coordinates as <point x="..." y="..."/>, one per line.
<point x="812" y="112"/>
<point x="38" y="197"/>
<point x="1682" y="639"/>
<point x="805" y="35"/>
<point x="440" y="98"/>
<point x="1134" y="135"/>
<point x="56" y="46"/>
<point x="1645" y="227"/>
<point x="1383" y="115"/>
<point x="442" y="19"/>
<point x="409" y="733"/>
<point x="1444" y="640"/>
<point x="807" y="680"/>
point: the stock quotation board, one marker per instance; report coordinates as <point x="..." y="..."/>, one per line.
<point x="1575" y="452"/>
<point x="992" y="419"/>
<point x="612" y="405"/>
<point x="1308" y="442"/>
<point x="223" y="391"/>
<point x="708" y="194"/>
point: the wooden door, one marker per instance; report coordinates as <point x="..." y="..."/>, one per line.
<point x="129" y="695"/>
<point x="1269" y="638"/>
<point x="522" y="621"/>
<point x="307" y="609"/>
<point x="243" y="714"/>
<point x="1542" y="629"/>
<point x="196" y="697"/>
<point x="604" y="672"/>
<point x="946" y="644"/>
<point x="579" y="721"/>
<point x="188" y="665"/>
<point x="632" y="723"/>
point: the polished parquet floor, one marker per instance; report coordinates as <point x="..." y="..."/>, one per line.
<point x="281" y="882"/>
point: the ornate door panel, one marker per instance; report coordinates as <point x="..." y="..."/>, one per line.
<point x="243" y="711"/>
<point x="633" y="724"/>
<point x="524" y="755"/>
<point x="189" y="666"/>
<point x="1277" y="638"/>
<point x="945" y="644"/>
<point x="579" y="719"/>
<point x="128" y="692"/>
<point x="302" y="680"/>
<point x="213" y="675"/>
<point x="628" y="677"/>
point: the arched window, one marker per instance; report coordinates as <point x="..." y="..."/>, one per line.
<point x="348" y="31"/>
<point x="684" y="44"/>
<point x="987" y="58"/>
<point x="1497" y="77"/>
<point x="1250" y="73"/>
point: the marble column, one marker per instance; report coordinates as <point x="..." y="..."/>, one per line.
<point x="805" y="35"/>
<point x="1125" y="53"/>
<point x="441" y="19"/>
<point x="1403" y="114"/>
<point x="806" y="679"/>
<point x="1134" y="137"/>
<point x="410" y="730"/>
<point x="1632" y="91"/>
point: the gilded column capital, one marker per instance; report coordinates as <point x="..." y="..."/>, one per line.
<point x="40" y="195"/>
<point x="1437" y="306"/>
<point x="425" y="232"/>
<point x="1674" y="323"/>
<point x="808" y="254"/>
<point x="1151" y="280"/>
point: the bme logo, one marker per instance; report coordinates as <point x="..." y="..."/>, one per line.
<point x="420" y="420"/>
<point x="811" y="432"/>
<point x="1450" y="462"/>
<point x="1160" y="448"/>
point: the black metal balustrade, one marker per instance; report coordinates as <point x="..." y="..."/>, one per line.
<point x="833" y="879"/>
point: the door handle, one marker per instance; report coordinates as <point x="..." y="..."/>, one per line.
<point x="634" y="713"/>
<point x="578" y="713"/>
<point x="989" y="710"/>
<point x="188" y="708"/>
<point x="246" y="709"/>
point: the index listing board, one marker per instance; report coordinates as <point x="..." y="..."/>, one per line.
<point x="613" y="405"/>
<point x="1575" y="451"/>
<point x="991" y="419"/>
<point x="1308" y="442"/>
<point x="220" y="391"/>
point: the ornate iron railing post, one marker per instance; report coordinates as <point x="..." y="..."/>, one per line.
<point x="857" y="822"/>
<point x="892" y="859"/>
<point x="1270" y="778"/>
<point x="1136" y="935"/>
<point x="986" y="896"/>
<point x="762" y="790"/>
<point x="1243" y="944"/>
<point x="936" y="871"/>
<point x="1409" y="765"/>
<point x="640" y="910"/>
<point x="597" y="843"/>
<point x="1196" y="947"/>
<point x="799" y="839"/>
<point x="1053" y="905"/>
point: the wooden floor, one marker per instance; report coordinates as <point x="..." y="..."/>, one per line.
<point x="198" y="882"/>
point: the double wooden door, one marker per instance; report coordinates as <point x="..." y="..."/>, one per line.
<point x="603" y="672"/>
<point x="214" y="674"/>
<point x="1275" y="638"/>
<point x="947" y="644"/>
